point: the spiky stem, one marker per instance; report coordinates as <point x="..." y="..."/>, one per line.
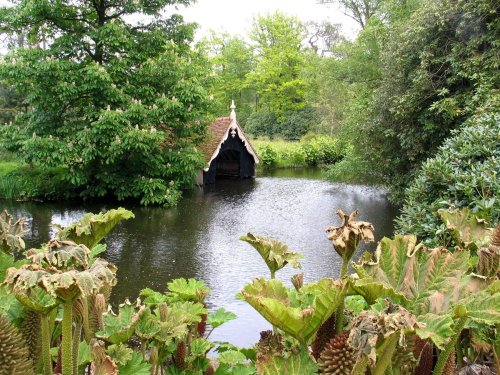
<point x="46" y="359"/>
<point x="360" y="366"/>
<point x="387" y="351"/>
<point x="86" y="325"/>
<point x="339" y="313"/>
<point x="67" y="339"/>
<point x="445" y="353"/>
<point x="76" y="345"/>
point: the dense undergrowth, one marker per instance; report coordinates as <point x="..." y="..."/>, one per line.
<point x="312" y="150"/>
<point x="407" y="309"/>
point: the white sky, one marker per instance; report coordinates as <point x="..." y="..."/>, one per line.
<point x="235" y="16"/>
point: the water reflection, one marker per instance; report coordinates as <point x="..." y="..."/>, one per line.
<point x="199" y="238"/>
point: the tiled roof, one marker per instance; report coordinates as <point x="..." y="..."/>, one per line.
<point x="215" y="132"/>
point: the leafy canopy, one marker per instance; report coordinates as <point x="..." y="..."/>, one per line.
<point x="118" y="103"/>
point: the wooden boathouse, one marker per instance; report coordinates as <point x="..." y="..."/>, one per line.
<point x="227" y="151"/>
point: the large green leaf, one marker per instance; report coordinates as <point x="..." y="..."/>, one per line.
<point x="187" y="290"/>
<point x="466" y="229"/>
<point x="430" y="280"/>
<point x="119" y="328"/>
<point x="299" y="363"/>
<point x="299" y="314"/>
<point x="219" y="317"/>
<point x="135" y="366"/>
<point x="482" y="307"/>
<point x="438" y="328"/>
<point x="92" y="228"/>
<point x="276" y="254"/>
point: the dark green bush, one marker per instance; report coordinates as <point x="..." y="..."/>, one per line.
<point x="262" y="123"/>
<point x="464" y="173"/>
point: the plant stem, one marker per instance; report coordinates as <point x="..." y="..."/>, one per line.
<point x="86" y="326"/>
<point x="360" y="366"/>
<point x="76" y="346"/>
<point x="339" y="313"/>
<point x="460" y="354"/>
<point x="273" y="274"/>
<point x="46" y="359"/>
<point x="445" y="353"/>
<point x="387" y="351"/>
<point x="67" y="339"/>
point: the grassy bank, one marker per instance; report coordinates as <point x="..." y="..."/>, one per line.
<point x="20" y="181"/>
<point x="310" y="151"/>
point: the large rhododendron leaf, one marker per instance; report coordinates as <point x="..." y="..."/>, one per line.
<point x="11" y="234"/>
<point x="61" y="255"/>
<point x="466" y="229"/>
<point x="276" y="254"/>
<point x="429" y="279"/>
<point x="187" y="290"/>
<point x="119" y="328"/>
<point x="92" y="228"/>
<point x="299" y="314"/>
<point x="299" y="363"/>
<point x="346" y="238"/>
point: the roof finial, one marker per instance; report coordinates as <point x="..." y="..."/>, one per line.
<point x="232" y="116"/>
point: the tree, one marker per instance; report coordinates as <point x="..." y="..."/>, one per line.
<point x="232" y="60"/>
<point x="119" y="103"/>
<point x="277" y="43"/>
<point x="359" y="10"/>
<point x="437" y="70"/>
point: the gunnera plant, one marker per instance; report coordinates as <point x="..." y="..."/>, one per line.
<point x="14" y="357"/>
<point x="338" y="358"/>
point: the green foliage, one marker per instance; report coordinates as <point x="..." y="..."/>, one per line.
<point x="219" y="317"/>
<point x="277" y="42"/>
<point x="187" y="290"/>
<point x="113" y="132"/>
<point x="298" y="313"/>
<point x="438" y="68"/>
<point x="463" y="174"/>
<point x="299" y="363"/>
<point x="276" y="254"/>
<point x="92" y="228"/>
<point x="119" y="328"/>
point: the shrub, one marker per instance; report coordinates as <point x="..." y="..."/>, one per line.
<point x="464" y="173"/>
<point x="268" y="156"/>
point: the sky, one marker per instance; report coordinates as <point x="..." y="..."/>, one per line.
<point x="235" y="16"/>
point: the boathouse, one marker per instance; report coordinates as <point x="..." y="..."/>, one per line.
<point x="227" y="151"/>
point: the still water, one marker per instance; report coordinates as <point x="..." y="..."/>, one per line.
<point x="199" y="238"/>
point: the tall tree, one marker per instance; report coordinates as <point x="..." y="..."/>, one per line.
<point x="277" y="42"/>
<point x="118" y="102"/>
<point x="232" y="60"/>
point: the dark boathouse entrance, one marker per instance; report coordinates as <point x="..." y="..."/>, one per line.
<point x="227" y="152"/>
